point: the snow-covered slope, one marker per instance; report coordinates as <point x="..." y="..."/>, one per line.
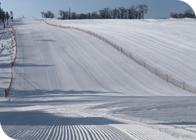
<point x="168" y="45"/>
<point x="72" y="60"/>
<point x="70" y="85"/>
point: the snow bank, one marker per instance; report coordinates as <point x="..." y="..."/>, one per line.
<point x="7" y="55"/>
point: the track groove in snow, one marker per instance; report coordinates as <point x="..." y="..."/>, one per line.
<point x="139" y="132"/>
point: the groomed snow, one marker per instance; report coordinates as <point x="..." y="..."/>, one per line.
<point x="70" y="85"/>
<point x="166" y="44"/>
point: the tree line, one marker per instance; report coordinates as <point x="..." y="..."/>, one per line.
<point x="187" y="14"/>
<point x="134" y="12"/>
<point x="5" y="16"/>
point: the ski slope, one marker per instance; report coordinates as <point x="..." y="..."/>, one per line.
<point x="76" y="61"/>
<point x="70" y="85"/>
<point x="168" y="45"/>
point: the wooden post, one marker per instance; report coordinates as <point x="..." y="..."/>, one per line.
<point x="5" y="93"/>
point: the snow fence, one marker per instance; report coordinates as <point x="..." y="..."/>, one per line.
<point x="12" y="65"/>
<point x="157" y="72"/>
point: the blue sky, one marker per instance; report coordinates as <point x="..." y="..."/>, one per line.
<point x="33" y="8"/>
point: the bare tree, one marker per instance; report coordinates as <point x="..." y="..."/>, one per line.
<point x="61" y="13"/>
<point x="123" y="13"/>
<point x="180" y="15"/>
<point x="49" y="14"/>
<point x="173" y="15"/>
<point x="109" y="14"/>
<point x="115" y="13"/>
<point x="142" y="9"/>
<point x="105" y="13"/>
<point x="66" y="15"/>
<point x="11" y="15"/>
<point x="189" y="13"/>
<point x="89" y="15"/>
<point x="7" y="17"/>
<point x="82" y="16"/>
<point x="102" y="14"/>
<point x="74" y="15"/>
<point x="3" y="18"/>
<point x="137" y="15"/>
<point x="1" y="13"/>
<point x="94" y="15"/>
<point x="131" y="12"/>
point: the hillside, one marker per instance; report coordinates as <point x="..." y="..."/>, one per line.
<point x="168" y="45"/>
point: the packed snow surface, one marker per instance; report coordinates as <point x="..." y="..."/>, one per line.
<point x="168" y="45"/>
<point x="70" y="85"/>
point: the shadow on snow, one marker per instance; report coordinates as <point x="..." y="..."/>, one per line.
<point x="31" y="118"/>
